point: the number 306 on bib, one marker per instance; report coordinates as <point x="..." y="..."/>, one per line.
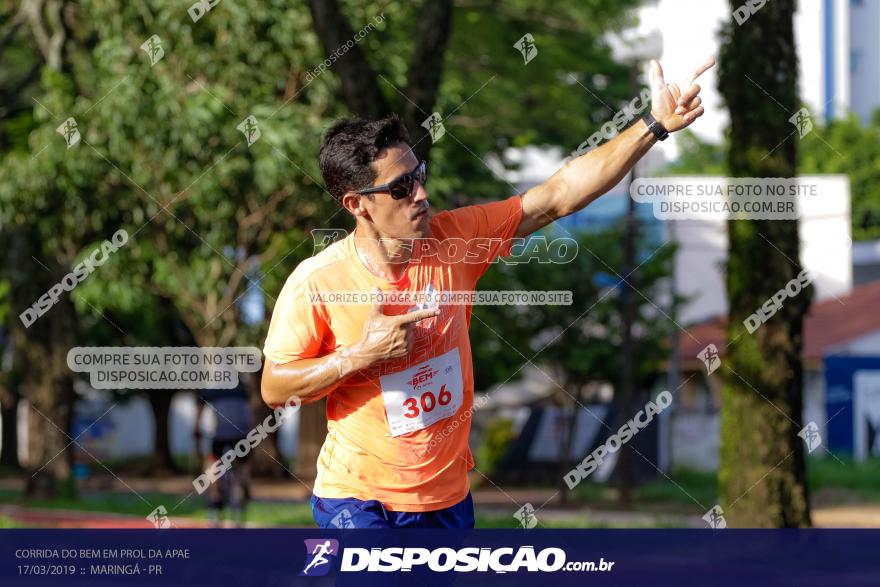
<point x="418" y="397"/>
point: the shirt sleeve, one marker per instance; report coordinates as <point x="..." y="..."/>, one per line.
<point x="297" y="327"/>
<point x="487" y="229"/>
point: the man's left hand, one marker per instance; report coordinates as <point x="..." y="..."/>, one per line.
<point x="671" y="107"/>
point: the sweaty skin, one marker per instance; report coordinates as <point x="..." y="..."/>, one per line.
<point x="384" y="337"/>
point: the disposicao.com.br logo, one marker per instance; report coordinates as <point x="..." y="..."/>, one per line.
<point x="464" y="560"/>
<point x="322" y="553"/>
<point x="320" y="556"/>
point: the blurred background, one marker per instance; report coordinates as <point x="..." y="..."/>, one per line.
<point x="195" y="127"/>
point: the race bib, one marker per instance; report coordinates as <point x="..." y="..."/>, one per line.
<point x="427" y="393"/>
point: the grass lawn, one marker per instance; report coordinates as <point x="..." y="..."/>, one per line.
<point x="828" y="477"/>
<point x="675" y="491"/>
<point x="108" y="502"/>
<point x="6" y="523"/>
<point x="860" y="481"/>
<point x="262" y="513"/>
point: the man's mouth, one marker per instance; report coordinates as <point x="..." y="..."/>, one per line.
<point x="420" y="213"/>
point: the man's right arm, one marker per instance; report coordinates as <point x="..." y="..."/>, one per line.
<point x="308" y="379"/>
<point x="384" y="337"/>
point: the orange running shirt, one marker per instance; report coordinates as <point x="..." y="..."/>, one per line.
<point x="398" y="432"/>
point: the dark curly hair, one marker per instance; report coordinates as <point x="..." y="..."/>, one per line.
<point x="350" y="146"/>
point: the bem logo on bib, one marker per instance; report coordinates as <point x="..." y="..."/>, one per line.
<point x="422" y="376"/>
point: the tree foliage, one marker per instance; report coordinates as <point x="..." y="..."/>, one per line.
<point x="580" y="341"/>
<point x="848" y="147"/>
<point x="211" y="219"/>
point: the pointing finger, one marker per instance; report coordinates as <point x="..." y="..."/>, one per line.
<point x="413" y="317"/>
<point x="702" y="68"/>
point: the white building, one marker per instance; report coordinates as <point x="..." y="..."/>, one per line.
<point x="864" y="66"/>
<point x="826" y="251"/>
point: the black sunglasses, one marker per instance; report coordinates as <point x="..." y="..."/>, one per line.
<point x="403" y="186"/>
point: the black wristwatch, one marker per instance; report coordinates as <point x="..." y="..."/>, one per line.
<point x="655" y="127"/>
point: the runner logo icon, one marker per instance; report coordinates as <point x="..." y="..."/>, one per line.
<point x="320" y="556"/>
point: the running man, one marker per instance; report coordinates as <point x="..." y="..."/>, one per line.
<point x="399" y="380"/>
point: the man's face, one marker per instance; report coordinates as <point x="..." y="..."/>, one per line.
<point x="401" y="219"/>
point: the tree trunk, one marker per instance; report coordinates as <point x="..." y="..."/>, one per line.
<point x="762" y="473"/>
<point x="266" y="459"/>
<point x="162" y="460"/>
<point x="9" y="424"/>
<point x="48" y="387"/>
<point x="362" y="89"/>
<point x="569" y="422"/>
<point x="360" y="85"/>
<point x="627" y="350"/>
<point x="312" y="432"/>
<point x="40" y="364"/>
<point x="433" y="28"/>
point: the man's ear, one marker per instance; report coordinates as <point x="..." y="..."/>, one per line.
<point x="353" y="203"/>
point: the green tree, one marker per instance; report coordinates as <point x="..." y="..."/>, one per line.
<point x="18" y="85"/>
<point x="698" y="157"/>
<point x="211" y="217"/>
<point x="577" y="345"/>
<point x="762" y="471"/>
<point x="34" y="38"/>
<point x="201" y="208"/>
<point x="846" y="146"/>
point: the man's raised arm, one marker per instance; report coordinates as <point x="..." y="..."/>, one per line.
<point x="582" y="180"/>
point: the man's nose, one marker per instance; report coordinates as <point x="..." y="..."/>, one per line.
<point x="421" y="193"/>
